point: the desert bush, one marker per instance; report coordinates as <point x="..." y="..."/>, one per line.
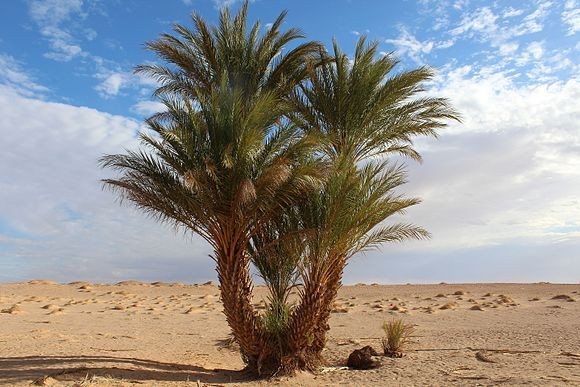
<point x="397" y="337"/>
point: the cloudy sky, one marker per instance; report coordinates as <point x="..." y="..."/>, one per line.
<point x="501" y="191"/>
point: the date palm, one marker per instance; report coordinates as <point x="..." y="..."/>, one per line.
<point x="222" y="160"/>
<point x="364" y="115"/>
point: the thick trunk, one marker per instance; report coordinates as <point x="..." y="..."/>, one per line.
<point x="236" y="295"/>
<point x="332" y="286"/>
<point x="306" y="335"/>
<point x="309" y="325"/>
<point x="301" y="332"/>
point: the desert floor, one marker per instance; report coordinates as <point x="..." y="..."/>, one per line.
<point x="163" y="334"/>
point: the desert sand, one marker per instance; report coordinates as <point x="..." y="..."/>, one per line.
<point x="163" y="334"/>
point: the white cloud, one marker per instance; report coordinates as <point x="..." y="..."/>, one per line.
<point x="225" y="3"/>
<point x="407" y="44"/>
<point x="532" y="22"/>
<point x="50" y="15"/>
<point x="112" y="84"/>
<point x="536" y="50"/>
<point x="520" y="165"/>
<point x="90" y="34"/>
<point x="359" y="33"/>
<point x="482" y="24"/>
<point x="14" y="77"/>
<point x="500" y="190"/>
<point x="572" y="18"/>
<point x="460" y="4"/>
<point x="63" y="225"/>
<point x="508" y="48"/>
<point x="480" y="21"/>
<point x="546" y="69"/>
<point x="445" y="44"/>
<point x="147" y="108"/>
<point x="54" y="12"/>
<point x="440" y="22"/>
<point x="512" y="12"/>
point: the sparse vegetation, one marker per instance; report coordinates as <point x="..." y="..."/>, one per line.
<point x="397" y="337"/>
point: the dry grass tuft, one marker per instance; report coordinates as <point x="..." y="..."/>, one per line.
<point x="95" y="380"/>
<point x="397" y="336"/>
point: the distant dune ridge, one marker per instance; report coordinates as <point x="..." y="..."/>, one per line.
<point x="164" y="334"/>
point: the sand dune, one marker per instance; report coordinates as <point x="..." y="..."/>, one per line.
<point x="165" y="334"/>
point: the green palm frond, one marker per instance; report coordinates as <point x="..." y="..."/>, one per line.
<point x="366" y="111"/>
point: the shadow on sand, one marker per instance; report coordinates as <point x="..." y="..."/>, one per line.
<point x="69" y="368"/>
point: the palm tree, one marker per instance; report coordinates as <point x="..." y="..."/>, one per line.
<point x="278" y="158"/>
<point x="364" y="115"/>
<point x="222" y="160"/>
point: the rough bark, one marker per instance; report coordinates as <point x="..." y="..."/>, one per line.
<point x="332" y="286"/>
<point x="236" y="295"/>
<point x="309" y="325"/>
<point x="306" y="334"/>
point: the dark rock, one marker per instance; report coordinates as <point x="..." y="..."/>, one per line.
<point x="362" y="359"/>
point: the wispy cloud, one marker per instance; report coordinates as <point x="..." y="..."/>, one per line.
<point x="407" y="44"/>
<point x="12" y="75"/>
<point x="460" y="4"/>
<point x="547" y="69"/>
<point x="359" y="33"/>
<point x="508" y="48"/>
<point x="56" y="20"/>
<point x="50" y="16"/>
<point x="147" y="108"/>
<point x="571" y="17"/>
<point x="484" y="25"/>
<point x="512" y="12"/>
<point x="481" y="21"/>
<point x="534" y="22"/>
<point x="226" y="3"/>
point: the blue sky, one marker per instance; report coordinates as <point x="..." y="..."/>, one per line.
<point x="501" y="190"/>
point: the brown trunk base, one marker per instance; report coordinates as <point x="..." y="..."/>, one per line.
<point x="287" y="365"/>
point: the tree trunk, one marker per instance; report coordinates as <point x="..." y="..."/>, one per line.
<point x="236" y="295"/>
<point x="332" y="286"/>
<point x="307" y="332"/>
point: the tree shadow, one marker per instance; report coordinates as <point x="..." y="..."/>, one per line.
<point x="29" y="368"/>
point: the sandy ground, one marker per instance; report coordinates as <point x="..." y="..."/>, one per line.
<point x="172" y="335"/>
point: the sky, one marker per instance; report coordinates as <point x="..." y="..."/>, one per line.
<point x="501" y="190"/>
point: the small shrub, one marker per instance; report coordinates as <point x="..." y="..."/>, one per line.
<point x="397" y="336"/>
